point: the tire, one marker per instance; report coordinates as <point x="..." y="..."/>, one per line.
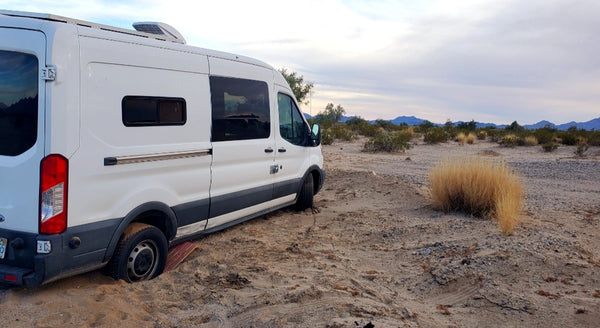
<point x="305" y="197"/>
<point x="141" y="254"/>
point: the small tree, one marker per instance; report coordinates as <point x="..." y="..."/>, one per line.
<point x="514" y="127"/>
<point x="335" y="112"/>
<point x="300" y="88"/>
<point x="330" y="115"/>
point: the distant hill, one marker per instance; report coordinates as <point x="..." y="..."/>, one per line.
<point x="539" y="125"/>
<point x="593" y="124"/>
<point x="409" y="120"/>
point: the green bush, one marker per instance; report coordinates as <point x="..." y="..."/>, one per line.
<point x="341" y="132"/>
<point x="568" y="138"/>
<point x="388" y="142"/>
<point x="550" y="146"/>
<point x="545" y="135"/>
<point x="361" y="126"/>
<point x="326" y="137"/>
<point x="594" y="138"/>
<point x="435" y="135"/>
<point x="582" y="147"/>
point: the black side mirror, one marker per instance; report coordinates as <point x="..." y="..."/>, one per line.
<point x="315" y="135"/>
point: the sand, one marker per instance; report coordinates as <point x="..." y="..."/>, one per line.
<point x="373" y="254"/>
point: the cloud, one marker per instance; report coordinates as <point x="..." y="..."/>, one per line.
<point x="470" y="59"/>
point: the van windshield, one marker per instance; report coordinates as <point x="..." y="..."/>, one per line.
<point x="18" y="102"/>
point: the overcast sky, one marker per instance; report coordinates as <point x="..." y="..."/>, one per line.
<point x="491" y="61"/>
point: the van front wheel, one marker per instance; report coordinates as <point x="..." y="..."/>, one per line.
<point x="140" y="255"/>
<point x="305" y="197"/>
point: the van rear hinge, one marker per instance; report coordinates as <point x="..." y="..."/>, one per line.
<point x="48" y="73"/>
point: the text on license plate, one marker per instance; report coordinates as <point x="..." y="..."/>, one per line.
<point x="3" y="242"/>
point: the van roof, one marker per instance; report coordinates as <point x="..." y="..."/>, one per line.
<point x="161" y="31"/>
<point x="169" y="34"/>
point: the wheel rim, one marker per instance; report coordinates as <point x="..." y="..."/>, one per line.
<point x="142" y="261"/>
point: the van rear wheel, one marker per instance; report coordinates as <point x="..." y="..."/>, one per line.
<point x="305" y="197"/>
<point x="140" y="255"/>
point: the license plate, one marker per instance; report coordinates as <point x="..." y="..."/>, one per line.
<point x="3" y="242"/>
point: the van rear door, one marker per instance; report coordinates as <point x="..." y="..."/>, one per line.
<point x="22" y="56"/>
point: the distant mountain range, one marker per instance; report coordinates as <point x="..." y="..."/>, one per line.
<point x="411" y="120"/>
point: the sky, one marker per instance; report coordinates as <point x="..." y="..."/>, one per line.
<point x="461" y="60"/>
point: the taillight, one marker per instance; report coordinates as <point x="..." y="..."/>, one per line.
<point x="54" y="171"/>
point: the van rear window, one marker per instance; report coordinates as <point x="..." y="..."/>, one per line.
<point x="18" y="102"/>
<point x="149" y="111"/>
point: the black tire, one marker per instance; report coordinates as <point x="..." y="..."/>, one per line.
<point x="305" y="197"/>
<point x="140" y="255"/>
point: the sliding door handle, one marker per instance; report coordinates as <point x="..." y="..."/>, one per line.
<point x="268" y="150"/>
<point x="281" y="150"/>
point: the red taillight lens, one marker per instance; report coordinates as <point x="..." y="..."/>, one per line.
<point x="54" y="172"/>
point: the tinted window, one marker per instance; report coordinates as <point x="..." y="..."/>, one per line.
<point x="148" y="111"/>
<point x="291" y="124"/>
<point x="18" y="102"/>
<point x="240" y="109"/>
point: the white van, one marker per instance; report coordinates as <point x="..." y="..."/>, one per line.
<point x="116" y="144"/>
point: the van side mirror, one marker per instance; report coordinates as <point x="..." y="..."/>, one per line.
<point x="315" y="135"/>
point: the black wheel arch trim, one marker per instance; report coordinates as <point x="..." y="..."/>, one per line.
<point x="318" y="180"/>
<point x="170" y="223"/>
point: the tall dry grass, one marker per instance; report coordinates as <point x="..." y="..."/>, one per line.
<point x="471" y="138"/>
<point x="461" y="138"/>
<point x="479" y="187"/>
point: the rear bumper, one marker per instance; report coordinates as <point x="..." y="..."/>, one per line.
<point x="78" y="249"/>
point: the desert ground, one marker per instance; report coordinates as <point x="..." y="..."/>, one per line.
<point x="373" y="253"/>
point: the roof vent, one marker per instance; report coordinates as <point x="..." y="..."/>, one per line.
<point x="158" y="28"/>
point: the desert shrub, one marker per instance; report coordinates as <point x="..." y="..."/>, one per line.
<point x="471" y="139"/>
<point x="530" y="141"/>
<point x="545" y="134"/>
<point x="568" y="138"/>
<point x="509" y="140"/>
<point x="479" y="187"/>
<point x="435" y="135"/>
<point x="425" y="126"/>
<point x="582" y="147"/>
<point x="461" y="138"/>
<point x="549" y="146"/>
<point x="410" y="130"/>
<point x="326" y="137"/>
<point x="482" y="135"/>
<point x="361" y="126"/>
<point x="594" y="138"/>
<point x="388" y="141"/>
<point x="341" y="132"/>
<point x="495" y="134"/>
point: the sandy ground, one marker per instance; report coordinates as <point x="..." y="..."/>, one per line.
<point x="375" y="254"/>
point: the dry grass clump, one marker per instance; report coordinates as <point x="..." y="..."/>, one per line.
<point x="479" y="187"/>
<point x="471" y="139"/>
<point x="461" y="138"/>
<point x="530" y="141"/>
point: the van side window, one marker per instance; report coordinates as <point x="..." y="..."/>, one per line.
<point x="18" y="102"/>
<point x="291" y="124"/>
<point x="240" y="109"/>
<point x="149" y="111"/>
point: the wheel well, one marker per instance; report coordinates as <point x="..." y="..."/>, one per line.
<point x="155" y="218"/>
<point x="317" y="180"/>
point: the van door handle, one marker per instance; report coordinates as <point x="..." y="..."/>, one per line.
<point x="281" y="150"/>
<point x="268" y="150"/>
